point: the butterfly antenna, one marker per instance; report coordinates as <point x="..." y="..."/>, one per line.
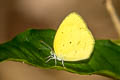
<point x="46" y="45"/>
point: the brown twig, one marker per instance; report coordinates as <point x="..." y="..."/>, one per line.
<point x="113" y="15"/>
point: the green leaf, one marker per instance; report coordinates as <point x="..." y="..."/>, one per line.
<point x="27" y="47"/>
<point x="116" y="42"/>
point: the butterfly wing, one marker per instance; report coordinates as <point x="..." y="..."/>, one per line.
<point x="73" y="40"/>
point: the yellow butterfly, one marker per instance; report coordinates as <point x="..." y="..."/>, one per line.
<point x="73" y="40"/>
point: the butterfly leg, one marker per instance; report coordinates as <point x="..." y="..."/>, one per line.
<point x="52" y="56"/>
<point x="63" y="63"/>
<point x="48" y="57"/>
<point x="48" y="60"/>
<point x="55" y="57"/>
<point x="55" y="61"/>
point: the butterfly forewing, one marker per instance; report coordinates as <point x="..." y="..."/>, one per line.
<point x="73" y="40"/>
